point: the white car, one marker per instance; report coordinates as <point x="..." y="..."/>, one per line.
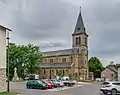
<point x="58" y="82"/>
<point x="112" y="87"/>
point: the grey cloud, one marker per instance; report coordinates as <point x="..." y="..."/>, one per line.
<point x="50" y="23"/>
<point x="42" y="19"/>
<point x="107" y="21"/>
<point x="39" y="21"/>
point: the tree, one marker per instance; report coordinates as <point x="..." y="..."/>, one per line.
<point x="25" y="58"/>
<point x="116" y="66"/>
<point x="59" y="72"/>
<point x="12" y="52"/>
<point x="95" y="66"/>
<point x="34" y="59"/>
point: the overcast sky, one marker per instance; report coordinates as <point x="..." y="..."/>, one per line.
<point x="50" y="23"/>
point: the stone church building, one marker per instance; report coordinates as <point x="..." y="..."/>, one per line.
<point x="73" y="61"/>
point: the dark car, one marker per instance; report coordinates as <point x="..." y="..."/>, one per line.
<point x="36" y="84"/>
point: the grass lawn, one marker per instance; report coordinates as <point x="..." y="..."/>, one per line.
<point x="8" y="93"/>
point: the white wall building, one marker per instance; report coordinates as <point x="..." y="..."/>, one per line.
<point x="3" y="58"/>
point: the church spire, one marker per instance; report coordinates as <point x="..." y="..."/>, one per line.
<point x="79" y="28"/>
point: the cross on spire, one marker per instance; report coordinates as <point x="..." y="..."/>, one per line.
<point x="80" y="8"/>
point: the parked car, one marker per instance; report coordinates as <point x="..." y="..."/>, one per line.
<point x="57" y="82"/>
<point x="50" y="85"/>
<point x="33" y="77"/>
<point x="67" y="81"/>
<point x="60" y="83"/>
<point x="54" y="84"/>
<point x="36" y="84"/>
<point x="112" y="87"/>
<point x="26" y="78"/>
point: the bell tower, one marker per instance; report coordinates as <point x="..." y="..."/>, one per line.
<point x="80" y="49"/>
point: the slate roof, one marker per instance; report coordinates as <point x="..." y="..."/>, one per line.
<point x="79" y="24"/>
<point x="79" y="28"/>
<point x="56" y="65"/>
<point x="113" y="69"/>
<point x="5" y="28"/>
<point x="58" y="52"/>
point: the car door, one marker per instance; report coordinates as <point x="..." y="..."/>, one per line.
<point x="34" y="84"/>
<point x="117" y="86"/>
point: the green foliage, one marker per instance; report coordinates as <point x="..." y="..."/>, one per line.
<point x="59" y="72"/>
<point x="71" y="76"/>
<point x="75" y="76"/>
<point x="117" y="66"/>
<point x="25" y="58"/>
<point x="95" y="66"/>
<point x="114" y="65"/>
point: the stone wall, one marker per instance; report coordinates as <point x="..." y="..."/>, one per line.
<point x="2" y="79"/>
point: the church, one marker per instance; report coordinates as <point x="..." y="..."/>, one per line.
<point x="73" y="61"/>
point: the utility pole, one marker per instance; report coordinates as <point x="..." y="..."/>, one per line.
<point x="8" y="38"/>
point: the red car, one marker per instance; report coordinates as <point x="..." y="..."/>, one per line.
<point x="50" y="86"/>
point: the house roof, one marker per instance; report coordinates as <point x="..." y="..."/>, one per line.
<point x="5" y="28"/>
<point x="56" y="65"/>
<point x="58" y="52"/>
<point x="112" y="69"/>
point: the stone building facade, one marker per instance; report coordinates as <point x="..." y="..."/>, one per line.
<point x="3" y="58"/>
<point x="109" y="73"/>
<point x="72" y="61"/>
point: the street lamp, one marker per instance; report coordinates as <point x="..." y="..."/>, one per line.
<point x="8" y="38"/>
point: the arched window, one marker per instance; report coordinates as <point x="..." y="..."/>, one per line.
<point x="86" y="41"/>
<point x="63" y="72"/>
<point x="84" y="29"/>
<point x="79" y="40"/>
<point x="44" y="71"/>
<point x="51" y="60"/>
<point x="63" y="59"/>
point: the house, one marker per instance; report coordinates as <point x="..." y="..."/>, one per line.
<point x="73" y="61"/>
<point x="110" y="73"/>
<point x="3" y="58"/>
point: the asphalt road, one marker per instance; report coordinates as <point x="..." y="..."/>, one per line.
<point x="89" y="89"/>
<point x="86" y="89"/>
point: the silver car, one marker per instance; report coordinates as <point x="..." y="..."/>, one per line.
<point x="58" y="82"/>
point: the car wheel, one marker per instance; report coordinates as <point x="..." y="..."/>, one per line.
<point x="28" y="87"/>
<point x="39" y="87"/>
<point x="113" y="92"/>
<point x="104" y="92"/>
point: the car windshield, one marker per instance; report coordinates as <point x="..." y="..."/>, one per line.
<point x="53" y="80"/>
<point x="39" y="81"/>
<point x="105" y="83"/>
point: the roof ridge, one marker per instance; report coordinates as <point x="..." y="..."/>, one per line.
<point x="56" y="50"/>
